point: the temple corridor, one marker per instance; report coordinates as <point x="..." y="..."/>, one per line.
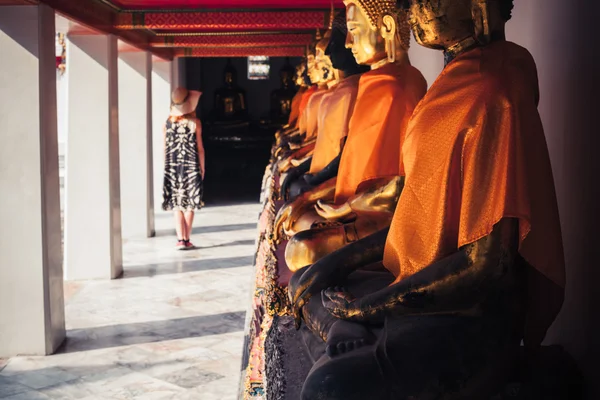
<point x="315" y="123"/>
<point x="171" y="328"/>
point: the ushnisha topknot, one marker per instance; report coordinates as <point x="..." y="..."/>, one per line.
<point x="376" y="9"/>
<point x="339" y="22"/>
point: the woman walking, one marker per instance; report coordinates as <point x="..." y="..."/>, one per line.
<point x="184" y="163"/>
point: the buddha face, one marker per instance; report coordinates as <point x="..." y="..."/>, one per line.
<point x="314" y="73"/>
<point x="324" y="66"/>
<point x="367" y="44"/>
<point x="323" y="60"/>
<point x="300" y="75"/>
<point x="439" y="24"/>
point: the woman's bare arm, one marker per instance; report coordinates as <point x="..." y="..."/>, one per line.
<point x="165" y="140"/>
<point x="201" y="157"/>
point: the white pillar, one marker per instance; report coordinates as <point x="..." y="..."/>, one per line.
<point x="93" y="247"/>
<point x="31" y="280"/>
<point x="161" y="102"/>
<point x="135" y="139"/>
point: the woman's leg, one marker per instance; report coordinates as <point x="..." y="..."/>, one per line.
<point x="189" y="220"/>
<point x="180" y="226"/>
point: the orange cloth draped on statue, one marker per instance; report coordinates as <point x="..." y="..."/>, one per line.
<point x="312" y="114"/>
<point x="475" y="153"/>
<point x="304" y="102"/>
<point x="385" y="101"/>
<point x="295" y="107"/>
<point x="334" y="117"/>
<point x="308" y="119"/>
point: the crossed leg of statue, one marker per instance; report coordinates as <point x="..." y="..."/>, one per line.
<point x="425" y="357"/>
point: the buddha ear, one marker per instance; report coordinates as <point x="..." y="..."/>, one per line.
<point x="389" y="31"/>
<point x="481" y="20"/>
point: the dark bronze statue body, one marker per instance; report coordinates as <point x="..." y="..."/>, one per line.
<point x="230" y="100"/>
<point x="281" y="99"/>
<point x="450" y="329"/>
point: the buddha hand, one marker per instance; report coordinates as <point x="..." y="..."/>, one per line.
<point x="286" y="217"/>
<point x="282" y="216"/>
<point x="284" y="165"/>
<point x="332" y="212"/>
<point x="342" y="304"/>
<point x="334" y="268"/>
<point x="315" y="279"/>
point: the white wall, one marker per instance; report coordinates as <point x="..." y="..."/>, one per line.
<point x="561" y="37"/>
<point x="429" y="62"/>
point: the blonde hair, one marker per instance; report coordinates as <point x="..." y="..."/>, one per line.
<point x="177" y="118"/>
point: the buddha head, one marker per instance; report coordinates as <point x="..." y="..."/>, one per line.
<point x="341" y="57"/>
<point x="314" y="74"/>
<point x="230" y="74"/>
<point x="377" y="30"/>
<point x="286" y="74"/>
<point x="300" y="78"/>
<point x="323" y="61"/>
<point x="440" y="24"/>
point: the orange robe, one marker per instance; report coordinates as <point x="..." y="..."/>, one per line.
<point x="475" y="153"/>
<point x="295" y="107"/>
<point x="304" y="102"/>
<point x="312" y="114"/>
<point x="386" y="99"/>
<point x="334" y="117"/>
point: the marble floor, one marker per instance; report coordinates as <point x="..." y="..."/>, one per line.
<point x="171" y="328"/>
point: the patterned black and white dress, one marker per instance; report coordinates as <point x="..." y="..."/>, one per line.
<point x="182" y="189"/>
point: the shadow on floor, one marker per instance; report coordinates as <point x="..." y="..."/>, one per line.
<point x="209" y="229"/>
<point x="248" y="242"/>
<point x="184" y="266"/>
<point x="78" y="381"/>
<point x="150" y="332"/>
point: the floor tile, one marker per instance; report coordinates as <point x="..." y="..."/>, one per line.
<point x="171" y="328"/>
<point x="31" y="395"/>
<point x="9" y="387"/>
<point x="43" y="378"/>
<point x="191" y="377"/>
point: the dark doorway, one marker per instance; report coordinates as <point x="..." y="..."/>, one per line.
<point x="237" y="147"/>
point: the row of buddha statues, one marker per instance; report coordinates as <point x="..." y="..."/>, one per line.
<point x="421" y="225"/>
<point x="230" y="100"/>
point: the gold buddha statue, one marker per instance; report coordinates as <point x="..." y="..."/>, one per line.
<point x="321" y="73"/>
<point x="282" y="98"/>
<point x="362" y="199"/>
<point x="230" y="100"/>
<point x="291" y="137"/>
<point x="334" y="115"/>
<point x="302" y="85"/>
<point x="436" y="306"/>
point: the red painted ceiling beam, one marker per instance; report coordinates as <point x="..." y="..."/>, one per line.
<point x="223" y="21"/>
<point x="221" y="4"/>
<point x="100" y="17"/>
<point x="18" y="2"/>
<point x="259" y="40"/>
<point x="241" y="52"/>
